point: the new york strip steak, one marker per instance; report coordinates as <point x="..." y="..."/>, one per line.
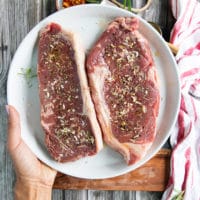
<point x="124" y="88"/>
<point x="67" y="112"/>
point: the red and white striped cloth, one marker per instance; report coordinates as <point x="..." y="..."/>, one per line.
<point x="185" y="138"/>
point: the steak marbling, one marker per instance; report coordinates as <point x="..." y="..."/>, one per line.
<point x="124" y="88"/>
<point x="67" y="112"/>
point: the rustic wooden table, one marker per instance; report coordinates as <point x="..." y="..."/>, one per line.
<point x="17" y="17"/>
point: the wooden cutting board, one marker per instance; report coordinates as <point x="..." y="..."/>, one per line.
<point x="152" y="176"/>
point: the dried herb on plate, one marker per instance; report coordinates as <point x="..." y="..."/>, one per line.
<point x="28" y="74"/>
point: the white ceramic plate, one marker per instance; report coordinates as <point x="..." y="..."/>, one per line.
<point x="89" y="21"/>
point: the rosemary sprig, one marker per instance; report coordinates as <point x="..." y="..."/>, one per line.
<point x="179" y="196"/>
<point x="124" y="2"/>
<point x="93" y="1"/>
<point x="28" y="74"/>
<point x="129" y="5"/>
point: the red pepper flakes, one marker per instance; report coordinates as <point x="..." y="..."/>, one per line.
<point x="68" y="3"/>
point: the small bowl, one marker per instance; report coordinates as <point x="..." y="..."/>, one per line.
<point x="60" y="6"/>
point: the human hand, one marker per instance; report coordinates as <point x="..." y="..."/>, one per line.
<point x="29" y="170"/>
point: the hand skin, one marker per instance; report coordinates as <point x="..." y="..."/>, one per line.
<point x="34" y="178"/>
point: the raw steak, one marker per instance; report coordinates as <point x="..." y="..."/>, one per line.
<point x="124" y="87"/>
<point x="67" y="112"/>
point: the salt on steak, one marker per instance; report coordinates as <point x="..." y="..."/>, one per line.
<point x="124" y="87"/>
<point x="67" y="112"/>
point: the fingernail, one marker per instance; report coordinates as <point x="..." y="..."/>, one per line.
<point x="7" y="109"/>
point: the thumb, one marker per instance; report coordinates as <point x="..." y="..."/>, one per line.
<point x="14" y="130"/>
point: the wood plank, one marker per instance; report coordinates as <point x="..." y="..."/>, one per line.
<point x="142" y="195"/>
<point x="76" y="194"/>
<point x="152" y="176"/>
<point x="58" y="194"/>
<point x="110" y="195"/>
<point x="6" y="173"/>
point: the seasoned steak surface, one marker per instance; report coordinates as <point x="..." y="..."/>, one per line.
<point x="126" y="95"/>
<point x="65" y="116"/>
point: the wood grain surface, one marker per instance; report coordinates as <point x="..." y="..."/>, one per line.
<point x="17" y="18"/>
<point x="152" y="176"/>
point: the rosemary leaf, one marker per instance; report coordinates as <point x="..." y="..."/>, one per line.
<point x="179" y="196"/>
<point x="125" y="4"/>
<point x="93" y="1"/>
<point x="28" y="74"/>
<point x="129" y="5"/>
